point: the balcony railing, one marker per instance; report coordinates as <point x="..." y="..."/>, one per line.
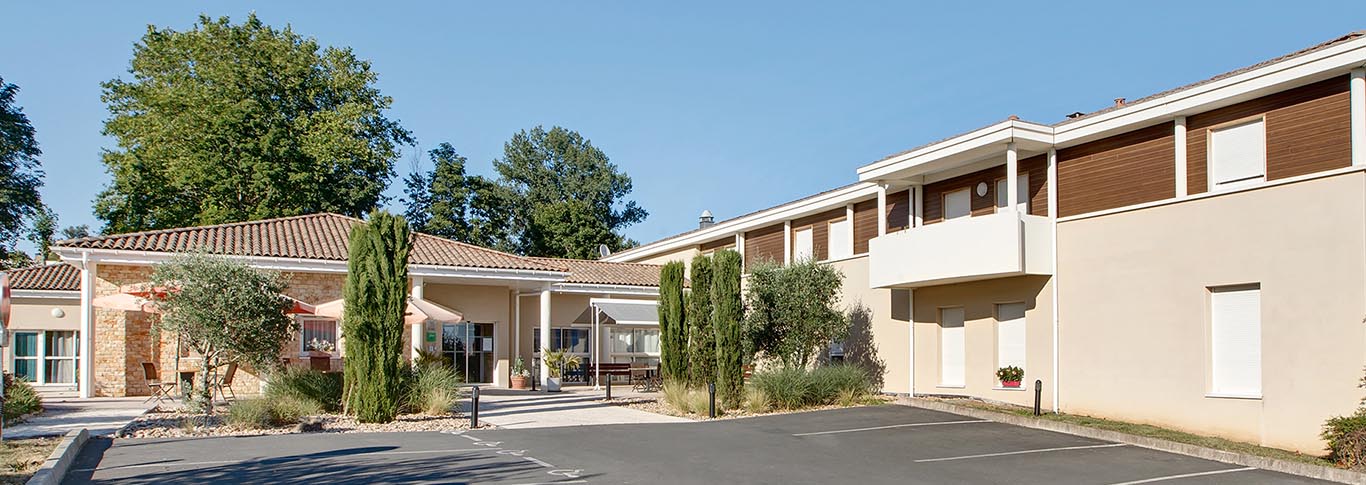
<point x="967" y="249"/>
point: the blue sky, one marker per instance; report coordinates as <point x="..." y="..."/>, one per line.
<point x="727" y="106"/>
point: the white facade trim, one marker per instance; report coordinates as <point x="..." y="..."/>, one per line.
<point x="46" y="294"/>
<point x="596" y="289"/>
<point x="881" y="209"/>
<point x="1179" y="140"/>
<point x="787" y="242"/>
<point x="1358" y="103"/>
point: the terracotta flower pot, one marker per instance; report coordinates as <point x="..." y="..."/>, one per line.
<point x="521" y="382"/>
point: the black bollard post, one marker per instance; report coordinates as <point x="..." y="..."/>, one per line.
<point x="535" y="376"/>
<point x="474" y="408"/>
<point x="609" y="387"/>
<point x="711" y="400"/>
<point x="1038" y="395"/>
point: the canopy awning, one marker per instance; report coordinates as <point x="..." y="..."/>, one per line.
<point x="417" y="311"/>
<point x="621" y="312"/>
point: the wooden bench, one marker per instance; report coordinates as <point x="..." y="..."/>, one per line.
<point x="613" y="369"/>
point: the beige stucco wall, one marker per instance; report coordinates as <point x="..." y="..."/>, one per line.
<point x="979" y="299"/>
<point x="685" y="255"/>
<point x="479" y="304"/>
<point x="36" y="314"/>
<point x="890" y="330"/>
<point x="1134" y="319"/>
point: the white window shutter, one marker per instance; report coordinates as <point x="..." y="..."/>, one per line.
<point x="803" y="247"/>
<point x="1238" y="154"/>
<point x="957" y="204"/>
<point x="952" y="348"/>
<point x="1236" y="341"/>
<point x="1010" y="335"/>
<point x="841" y="246"/>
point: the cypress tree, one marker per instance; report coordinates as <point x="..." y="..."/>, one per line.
<point x="376" y="294"/>
<point x="727" y="313"/>
<point x="674" y="336"/>
<point x="702" y="344"/>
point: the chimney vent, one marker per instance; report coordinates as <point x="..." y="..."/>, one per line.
<point x="705" y="220"/>
<point x="1076" y="114"/>
<point x="1119" y="102"/>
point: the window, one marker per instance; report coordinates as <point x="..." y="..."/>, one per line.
<point x="1237" y="155"/>
<point x="1236" y="341"/>
<point x="45" y="357"/>
<point x="572" y="340"/>
<point x="1010" y="335"/>
<point x="803" y="245"/>
<point x="957" y="204"/>
<point x="952" y="348"/>
<point x="840" y="239"/>
<point x="1022" y="198"/>
<point x="319" y="334"/>
<point x="634" y="340"/>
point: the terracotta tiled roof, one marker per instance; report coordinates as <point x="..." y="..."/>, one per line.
<point x="314" y="236"/>
<point x="604" y="273"/>
<point x="55" y="277"/>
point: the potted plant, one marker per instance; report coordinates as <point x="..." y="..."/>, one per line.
<point x="1010" y="376"/>
<point x="521" y="377"/>
<point x="319" y="354"/>
<point x="556" y="361"/>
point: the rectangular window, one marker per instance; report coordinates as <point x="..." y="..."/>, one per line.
<point x="634" y="340"/>
<point x="319" y="334"/>
<point x="26" y="356"/>
<point x="1237" y="155"/>
<point x="1236" y="341"/>
<point x="1010" y="335"/>
<point x="957" y="204"/>
<point x="841" y="240"/>
<point x="952" y="348"/>
<point x="803" y="246"/>
<point x="572" y="340"/>
<point x="60" y="359"/>
<point x="1022" y="197"/>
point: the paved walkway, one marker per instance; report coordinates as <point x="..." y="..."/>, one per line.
<point x="574" y="406"/>
<point x="102" y="416"/>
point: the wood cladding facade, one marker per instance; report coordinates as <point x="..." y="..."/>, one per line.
<point x="1036" y="167"/>
<point x="898" y="210"/>
<point x="820" y="231"/>
<point x="1308" y="129"/>
<point x="865" y="225"/>
<point x="728" y="241"/>
<point x="764" y="244"/>
<point x="1125" y="169"/>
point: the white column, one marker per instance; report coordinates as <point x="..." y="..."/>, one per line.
<point x="849" y="217"/>
<point x="919" y="196"/>
<point x="1358" y="94"/>
<point x="910" y="354"/>
<point x="787" y="242"/>
<point x="1179" y="137"/>
<point x="516" y="324"/>
<point x="1053" y="219"/>
<point x="1012" y="178"/>
<point x="1053" y="185"/>
<point x="545" y="335"/>
<point x="86" y="362"/>
<point x="418" y="292"/>
<point x="881" y="208"/>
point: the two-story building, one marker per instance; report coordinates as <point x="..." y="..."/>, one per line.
<point x="1194" y="259"/>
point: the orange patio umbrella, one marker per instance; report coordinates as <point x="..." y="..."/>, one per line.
<point x="417" y="311"/>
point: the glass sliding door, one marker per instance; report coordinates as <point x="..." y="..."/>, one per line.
<point x="46" y="357"/>
<point x="469" y="348"/>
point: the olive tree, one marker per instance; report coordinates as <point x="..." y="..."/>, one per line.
<point x="225" y="311"/>
<point x="793" y="311"/>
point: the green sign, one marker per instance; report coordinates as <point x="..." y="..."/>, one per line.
<point x="431" y="336"/>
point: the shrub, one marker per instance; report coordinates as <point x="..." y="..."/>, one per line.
<point x="727" y="314"/>
<point x="20" y="398"/>
<point x="1346" y="437"/>
<point x="322" y="388"/>
<point x="271" y="411"/>
<point x="376" y="292"/>
<point x="756" y="400"/>
<point x="786" y="387"/>
<point x="796" y="387"/>
<point x="685" y="399"/>
<point x="830" y="382"/>
<point x="433" y="390"/>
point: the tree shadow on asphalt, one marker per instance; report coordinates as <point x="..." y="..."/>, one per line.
<point x="348" y="465"/>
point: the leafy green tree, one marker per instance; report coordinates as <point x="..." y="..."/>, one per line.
<point x="41" y="232"/>
<point x="231" y="122"/>
<point x="727" y="318"/>
<point x="701" y="335"/>
<point x="376" y="293"/>
<point x="225" y="311"/>
<point x="76" y="232"/>
<point x="571" y="196"/>
<point x="20" y="174"/>
<point x="673" y="338"/>
<point x="793" y="311"/>
<point x="449" y="203"/>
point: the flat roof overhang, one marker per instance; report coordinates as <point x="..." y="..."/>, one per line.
<point x="989" y="142"/>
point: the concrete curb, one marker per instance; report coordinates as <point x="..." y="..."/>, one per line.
<point x="55" y="467"/>
<point x="1272" y="464"/>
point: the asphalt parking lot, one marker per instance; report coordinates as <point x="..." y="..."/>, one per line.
<point x="885" y="444"/>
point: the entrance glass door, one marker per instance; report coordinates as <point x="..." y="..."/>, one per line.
<point x="469" y="348"/>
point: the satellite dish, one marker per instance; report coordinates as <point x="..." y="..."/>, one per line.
<point x="603" y="251"/>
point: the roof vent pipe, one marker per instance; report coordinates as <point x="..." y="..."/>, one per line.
<point x="1119" y="102"/>
<point x="705" y="220"/>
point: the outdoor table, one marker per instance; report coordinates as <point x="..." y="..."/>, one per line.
<point x="651" y="382"/>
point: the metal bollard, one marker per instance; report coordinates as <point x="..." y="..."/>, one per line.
<point x="1038" y="395"/>
<point x="609" y="387"/>
<point x="474" y="408"/>
<point x="711" y="400"/>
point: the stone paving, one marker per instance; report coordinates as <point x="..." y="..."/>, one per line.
<point x="573" y="406"/>
<point x="102" y="416"/>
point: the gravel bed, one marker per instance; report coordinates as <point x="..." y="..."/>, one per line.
<point x="657" y="406"/>
<point x="179" y="424"/>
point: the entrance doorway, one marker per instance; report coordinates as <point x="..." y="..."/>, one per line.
<point x="469" y="348"/>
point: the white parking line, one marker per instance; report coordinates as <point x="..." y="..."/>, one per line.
<point x="223" y="462"/>
<point x="1022" y="452"/>
<point x="1187" y="475"/>
<point x="907" y="425"/>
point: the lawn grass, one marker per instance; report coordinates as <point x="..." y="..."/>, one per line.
<point x="1150" y="431"/>
<point x="20" y="458"/>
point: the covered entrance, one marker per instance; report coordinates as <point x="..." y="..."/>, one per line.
<point x="627" y="329"/>
<point x="469" y="348"/>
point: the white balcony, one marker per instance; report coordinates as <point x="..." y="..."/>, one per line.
<point x="965" y="249"/>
